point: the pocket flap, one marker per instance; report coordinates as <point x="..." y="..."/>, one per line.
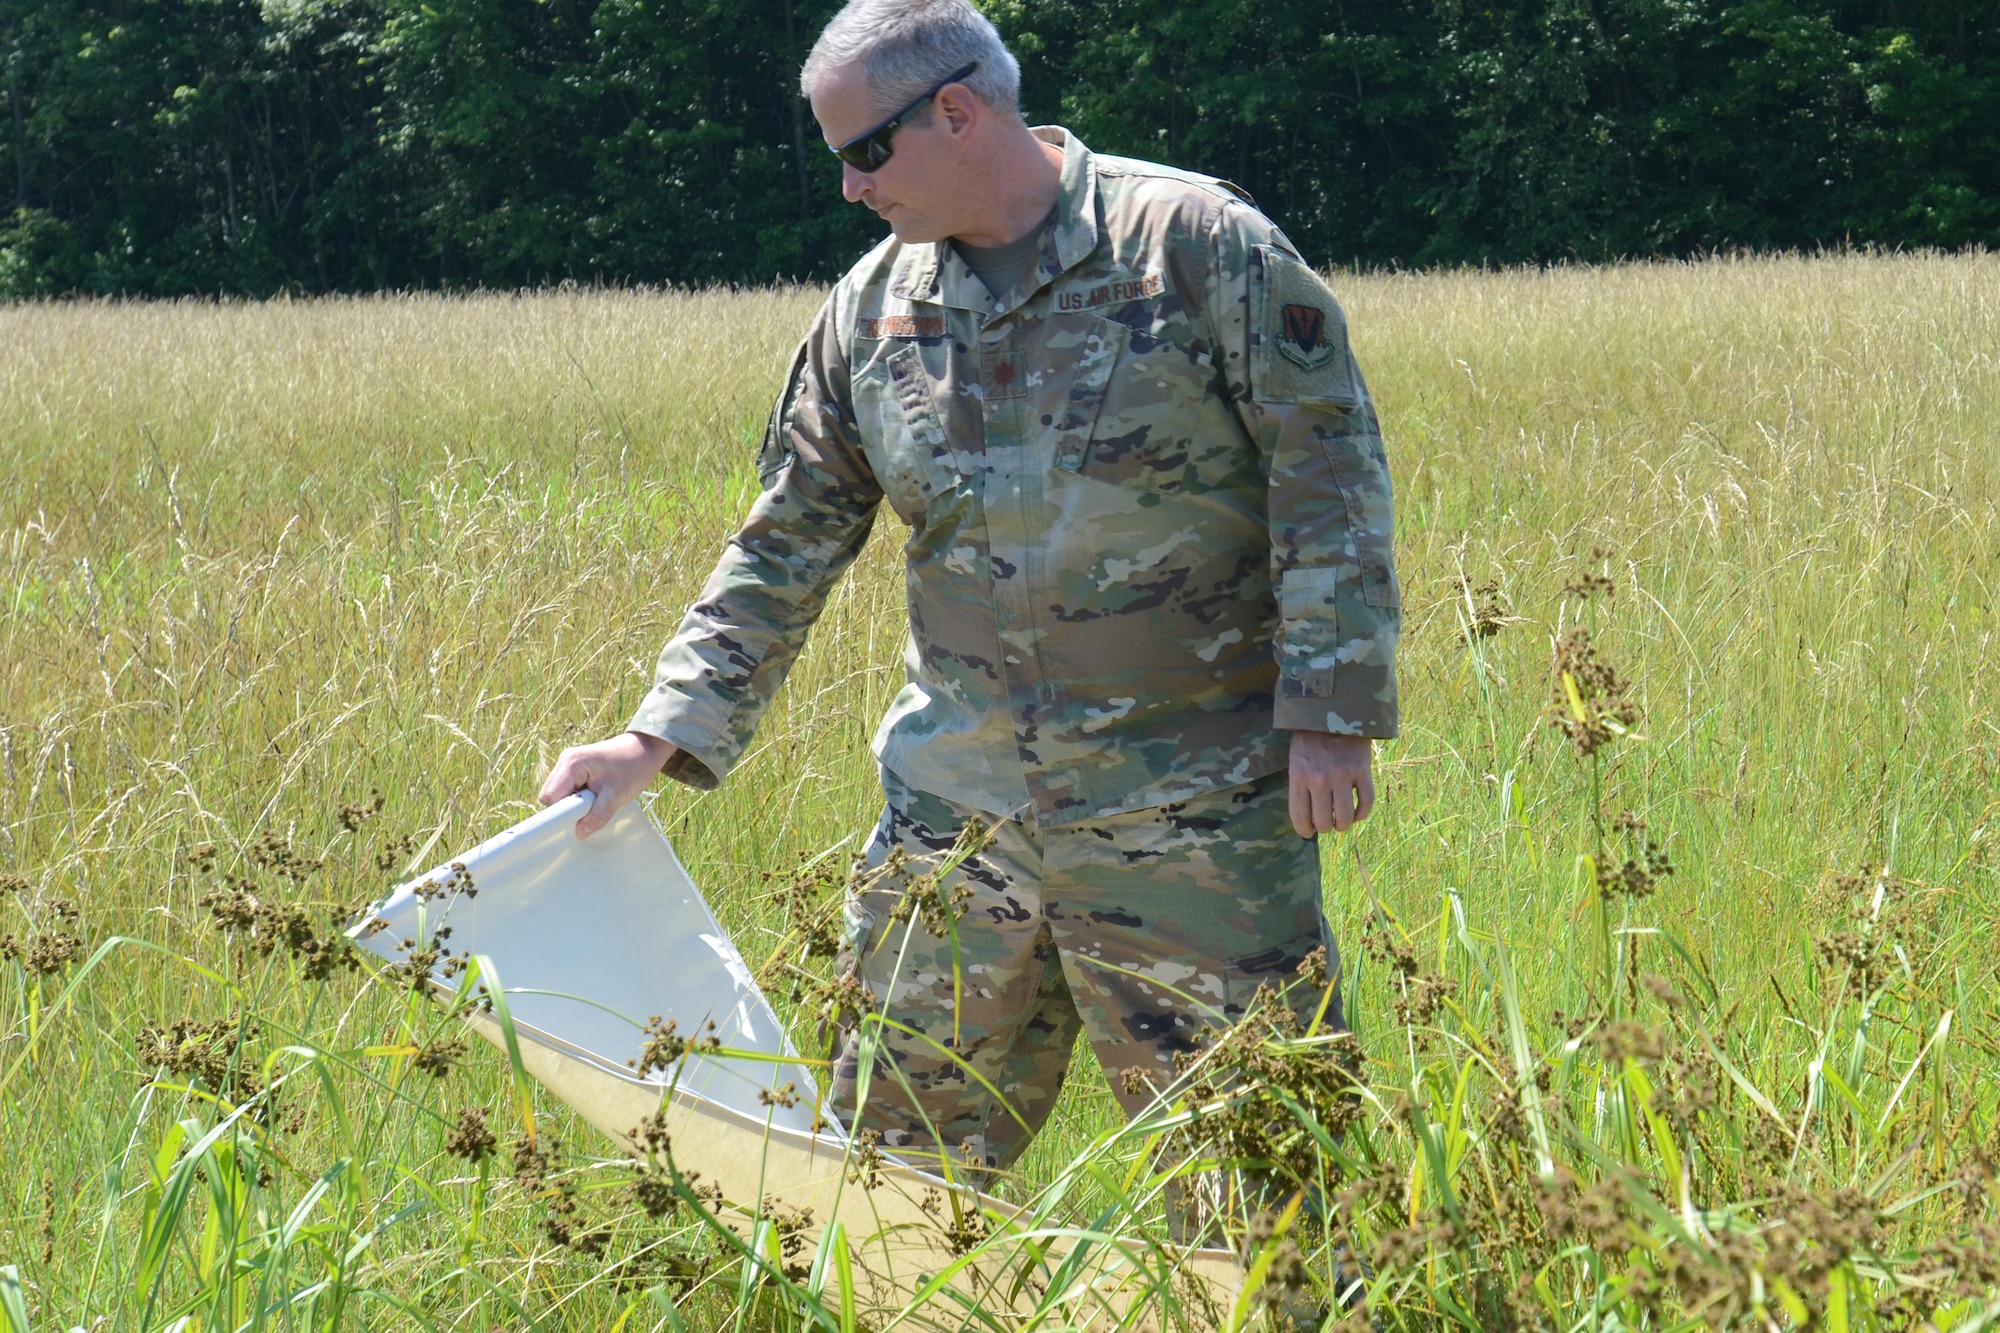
<point x="902" y="432"/>
<point x="1305" y="592"/>
<point x="1097" y="356"/>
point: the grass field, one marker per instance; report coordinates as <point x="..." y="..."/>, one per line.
<point x="263" y="560"/>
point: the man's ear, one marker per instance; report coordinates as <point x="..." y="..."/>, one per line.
<point x="960" y="109"/>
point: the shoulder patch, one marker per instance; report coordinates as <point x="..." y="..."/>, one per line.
<point x="1300" y="352"/>
<point x="1303" y="338"/>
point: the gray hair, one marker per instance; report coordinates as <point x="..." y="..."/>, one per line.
<point x="907" y="46"/>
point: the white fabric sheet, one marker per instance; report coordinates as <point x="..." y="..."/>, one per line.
<point x="589" y="938"/>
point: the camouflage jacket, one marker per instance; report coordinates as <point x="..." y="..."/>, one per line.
<point x="1148" y="509"/>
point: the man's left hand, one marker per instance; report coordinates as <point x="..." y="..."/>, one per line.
<point x="1333" y="781"/>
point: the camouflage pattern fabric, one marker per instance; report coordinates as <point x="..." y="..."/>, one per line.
<point x="1149" y="513"/>
<point x="1139" y="929"/>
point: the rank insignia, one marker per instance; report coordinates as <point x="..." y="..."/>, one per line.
<point x="1303" y="339"/>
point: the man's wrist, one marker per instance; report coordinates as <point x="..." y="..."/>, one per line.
<point x="677" y="762"/>
<point x="656" y="751"/>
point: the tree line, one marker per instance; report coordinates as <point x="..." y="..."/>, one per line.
<point x="166" y="147"/>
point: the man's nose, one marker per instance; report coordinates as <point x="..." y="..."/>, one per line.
<point x="853" y="184"/>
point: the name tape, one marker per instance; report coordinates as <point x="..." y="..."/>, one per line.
<point x="1116" y="292"/>
<point x="1112" y="293"/>
<point x="903" y="326"/>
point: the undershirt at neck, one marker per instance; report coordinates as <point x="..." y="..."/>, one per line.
<point x="1001" y="266"/>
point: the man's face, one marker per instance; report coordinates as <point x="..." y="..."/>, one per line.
<point x="914" y="190"/>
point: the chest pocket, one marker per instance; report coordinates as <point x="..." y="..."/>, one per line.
<point x="1139" y="412"/>
<point x="903" y="433"/>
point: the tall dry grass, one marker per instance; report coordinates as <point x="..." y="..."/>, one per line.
<point x="263" y="559"/>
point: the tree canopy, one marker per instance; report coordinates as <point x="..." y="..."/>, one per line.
<point x="258" y="146"/>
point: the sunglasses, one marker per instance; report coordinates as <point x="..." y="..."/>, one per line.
<point x="867" y="152"/>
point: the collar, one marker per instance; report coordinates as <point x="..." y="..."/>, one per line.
<point x="935" y="273"/>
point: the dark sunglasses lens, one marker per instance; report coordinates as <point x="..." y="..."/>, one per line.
<point x="869" y="153"/>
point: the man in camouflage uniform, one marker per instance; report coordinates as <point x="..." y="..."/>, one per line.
<point x="1152" y="606"/>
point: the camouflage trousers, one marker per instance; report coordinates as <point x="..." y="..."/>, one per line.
<point x="1140" y="930"/>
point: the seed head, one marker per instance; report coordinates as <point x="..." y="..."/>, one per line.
<point x="1589" y="701"/>
<point x="471" y="1138"/>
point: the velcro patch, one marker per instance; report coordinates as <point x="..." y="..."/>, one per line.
<point x="1300" y="350"/>
<point x="902" y="326"/>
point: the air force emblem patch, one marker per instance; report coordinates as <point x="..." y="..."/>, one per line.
<point x="1303" y="337"/>
<point x="1300" y="352"/>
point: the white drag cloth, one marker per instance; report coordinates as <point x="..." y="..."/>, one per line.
<point x="586" y="940"/>
<point x="590" y="939"/>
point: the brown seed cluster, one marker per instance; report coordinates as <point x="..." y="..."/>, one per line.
<point x="1314" y="971"/>
<point x="865" y="1167"/>
<point x="1602" y="707"/>
<point x="353" y="815"/>
<point x="664" y="1048"/>
<point x="1287" y="1274"/>
<point x="395" y="851"/>
<point x="1488" y="614"/>
<point x="653" y="1191"/>
<point x="537" y="1175"/>
<point x="266" y="918"/>
<point x="453" y="879"/>
<point x="1418" y="995"/>
<point x="471" y="1138"/>
<point x="269" y="924"/>
<point x="1254" y="1088"/>
<point x="1642" y="869"/>
<point x="839" y="1003"/>
<point x="794" y="1227"/>
<point x="273" y="851"/>
<point x="431" y="961"/>
<point x="809" y="899"/>
<point x="1799" y="1239"/>
<point x="439" y="1056"/>
<point x="964" y="1226"/>
<point x="1888" y="924"/>
<point x="53" y="947"/>
<point x="925" y="897"/>
<point x="1591" y="584"/>
<point x="209" y="1052"/>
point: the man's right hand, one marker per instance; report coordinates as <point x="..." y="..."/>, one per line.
<point x="613" y="771"/>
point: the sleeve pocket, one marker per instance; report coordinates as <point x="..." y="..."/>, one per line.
<point x="777" y="447"/>
<point x="1310" y="629"/>
<point x="1371" y="525"/>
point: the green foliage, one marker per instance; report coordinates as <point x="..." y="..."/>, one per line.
<point x="345" y="145"/>
<point x="1472" y="131"/>
<point x="317" y="145"/>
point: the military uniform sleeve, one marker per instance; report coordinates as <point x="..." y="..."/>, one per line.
<point x="717" y="675"/>
<point x="1282" y="340"/>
